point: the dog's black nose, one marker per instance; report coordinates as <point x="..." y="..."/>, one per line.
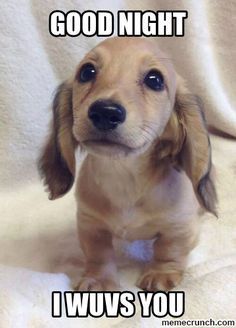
<point x="106" y="115"/>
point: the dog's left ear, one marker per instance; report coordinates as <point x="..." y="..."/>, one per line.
<point x="195" y="154"/>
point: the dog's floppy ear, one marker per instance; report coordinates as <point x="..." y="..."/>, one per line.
<point x="195" y="154"/>
<point x="57" y="162"/>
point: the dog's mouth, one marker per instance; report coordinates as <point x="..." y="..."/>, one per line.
<point x="109" y="148"/>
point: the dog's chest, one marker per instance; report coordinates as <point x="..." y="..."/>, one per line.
<point x="155" y="213"/>
<point x="135" y="214"/>
<point x="144" y="218"/>
<point x="132" y="205"/>
<point x="133" y="223"/>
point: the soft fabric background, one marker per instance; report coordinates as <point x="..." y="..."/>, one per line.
<point x="39" y="251"/>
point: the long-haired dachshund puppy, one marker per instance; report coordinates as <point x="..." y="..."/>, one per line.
<point x="147" y="173"/>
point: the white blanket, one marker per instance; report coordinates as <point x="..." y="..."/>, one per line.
<point x="39" y="250"/>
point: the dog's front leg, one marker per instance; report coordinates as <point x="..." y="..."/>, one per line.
<point x="100" y="268"/>
<point x="170" y="258"/>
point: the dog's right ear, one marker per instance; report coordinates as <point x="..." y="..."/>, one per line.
<point x="57" y="162"/>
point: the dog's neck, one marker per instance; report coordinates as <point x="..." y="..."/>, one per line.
<point x="126" y="179"/>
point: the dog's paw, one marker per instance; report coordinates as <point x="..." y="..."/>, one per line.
<point x="154" y="280"/>
<point x="97" y="284"/>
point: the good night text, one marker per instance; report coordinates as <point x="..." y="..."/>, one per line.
<point x="128" y="23"/>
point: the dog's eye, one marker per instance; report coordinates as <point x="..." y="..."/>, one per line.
<point x="87" y="73"/>
<point x="154" y="80"/>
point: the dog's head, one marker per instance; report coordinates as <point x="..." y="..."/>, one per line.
<point x="126" y="97"/>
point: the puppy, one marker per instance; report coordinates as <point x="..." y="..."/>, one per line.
<point x="147" y="173"/>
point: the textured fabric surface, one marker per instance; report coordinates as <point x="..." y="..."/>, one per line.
<point x="39" y="250"/>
